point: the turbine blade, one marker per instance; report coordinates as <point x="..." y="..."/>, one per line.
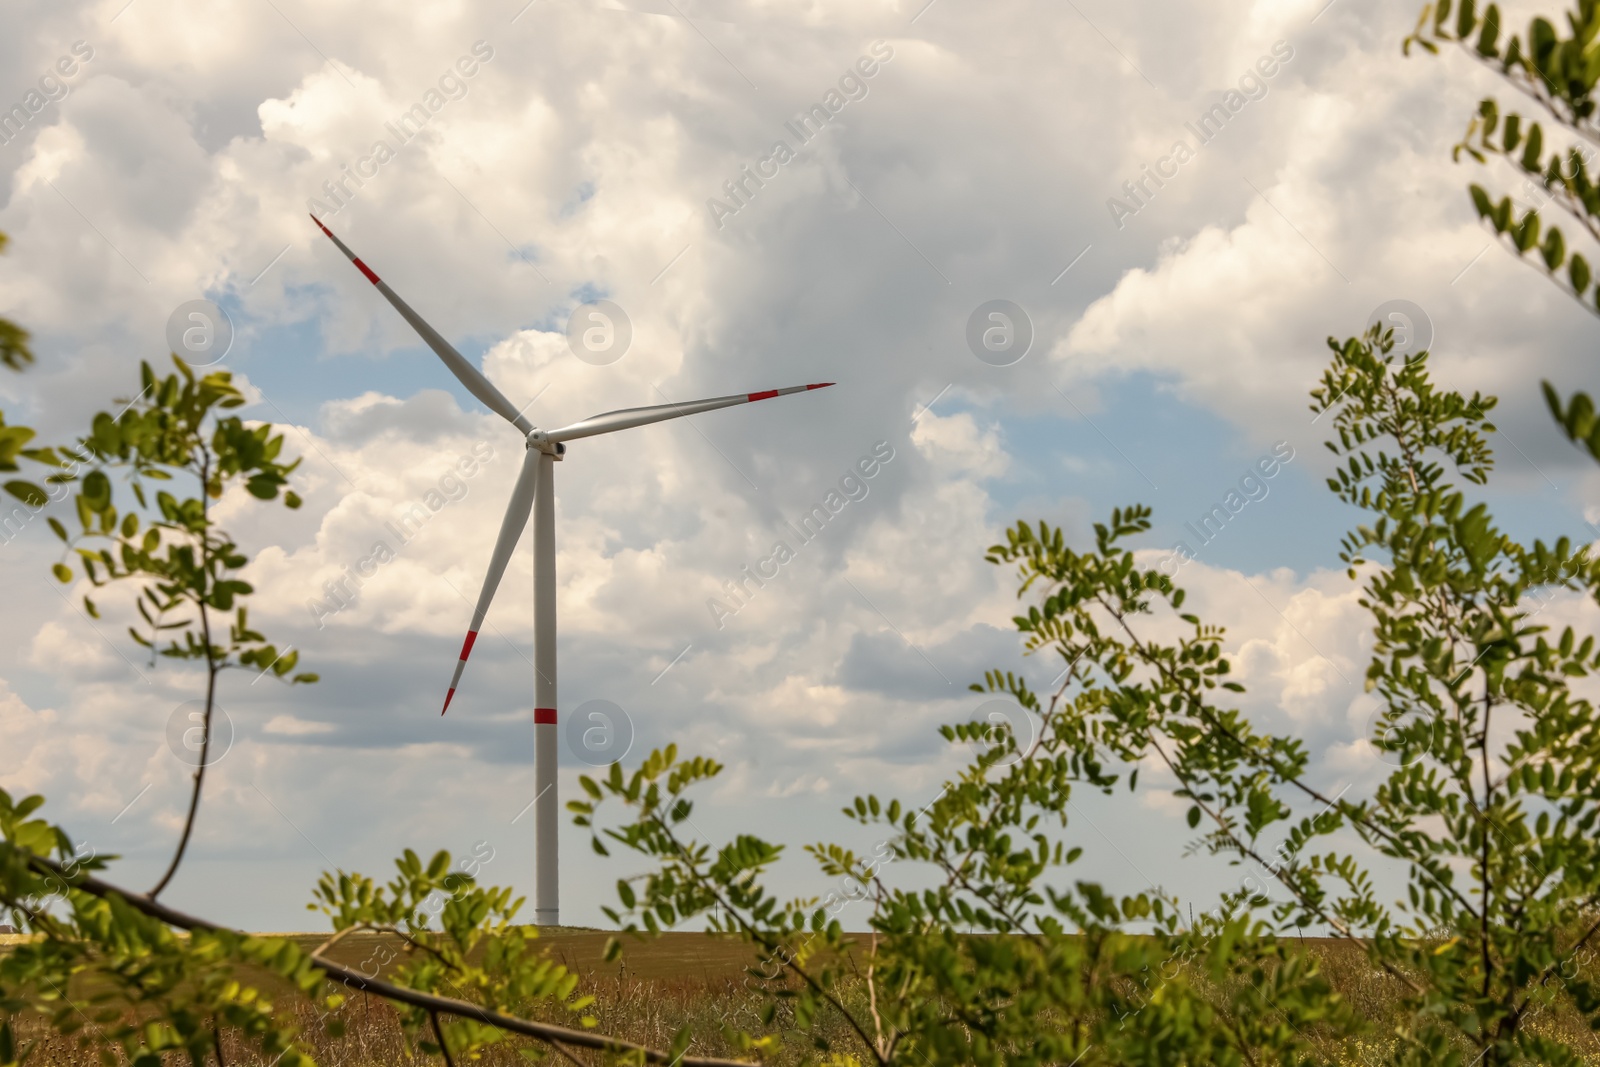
<point x="465" y="372"/>
<point x="511" y="526"/>
<point x="628" y="418"/>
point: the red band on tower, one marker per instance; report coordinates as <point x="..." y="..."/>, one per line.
<point x="544" y="716"/>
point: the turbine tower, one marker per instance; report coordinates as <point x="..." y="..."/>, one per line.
<point x="534" y="493"/>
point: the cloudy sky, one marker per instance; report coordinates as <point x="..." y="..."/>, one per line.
<point x="576" y="151"/>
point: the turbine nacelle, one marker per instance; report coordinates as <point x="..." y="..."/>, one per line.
<point x="539" y="442"/>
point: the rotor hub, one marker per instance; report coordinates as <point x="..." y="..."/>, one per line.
<point x="540" y="441"/>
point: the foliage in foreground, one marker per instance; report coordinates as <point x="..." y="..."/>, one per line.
<point x="182" y="567"/>
<point x="1488" y="817"/>
<point x="159" y="982"/>
<point x="139" y="986"/>
<point x="1557" y="70"/>
<point x="14" y="354"/>
<point x="14" y="350"/>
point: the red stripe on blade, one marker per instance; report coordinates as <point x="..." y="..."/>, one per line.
<point x="320" y="226"/>
<point x="466" y="646"/>
<point x="447" y="698"/>
<point x="544" y="716"/>
<point x="371" y="277"/>
<point x="820" y="385"/>
<point x="769" y="394"/>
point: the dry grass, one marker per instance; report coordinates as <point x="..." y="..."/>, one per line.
<point x="691" y="980"/>
<point x="660" y="987"/>
<point x="648" y="1011"/>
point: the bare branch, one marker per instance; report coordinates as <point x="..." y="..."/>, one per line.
<point x="438" y="1032"/>
<point x="546" y="1032"/>
<point x="211" y="691"/>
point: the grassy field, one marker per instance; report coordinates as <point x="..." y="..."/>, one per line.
<point x="658" y="987"/>
<point x="690" y="979"/>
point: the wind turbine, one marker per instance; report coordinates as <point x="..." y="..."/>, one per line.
<point x="535" y="492"/>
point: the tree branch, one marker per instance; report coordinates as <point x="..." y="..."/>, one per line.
<point x="211" y="685"/>
<point x="1344" y="807"/>
<point x="546" y="1032"/>
<point x="1533" y="90"/>
<point x="1240" y="846"/>
<point x="438" y="1032"/>
<point x="772" y="946"/>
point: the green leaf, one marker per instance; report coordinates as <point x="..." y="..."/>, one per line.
<point x="1554" y="250"/>
<point x="1533" y="151"/>
<point x="97" y="491"/>
<point x="1578" y="420"/>
<point x="438" y="865"/>
<point x="262" y="486"/>
<point x="1491" y="32"/>
<point x="1526" y="233"/>
<point x="62" y="572"/>
<point x="1578" y="272"/>
<point x="28" y="493"/>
